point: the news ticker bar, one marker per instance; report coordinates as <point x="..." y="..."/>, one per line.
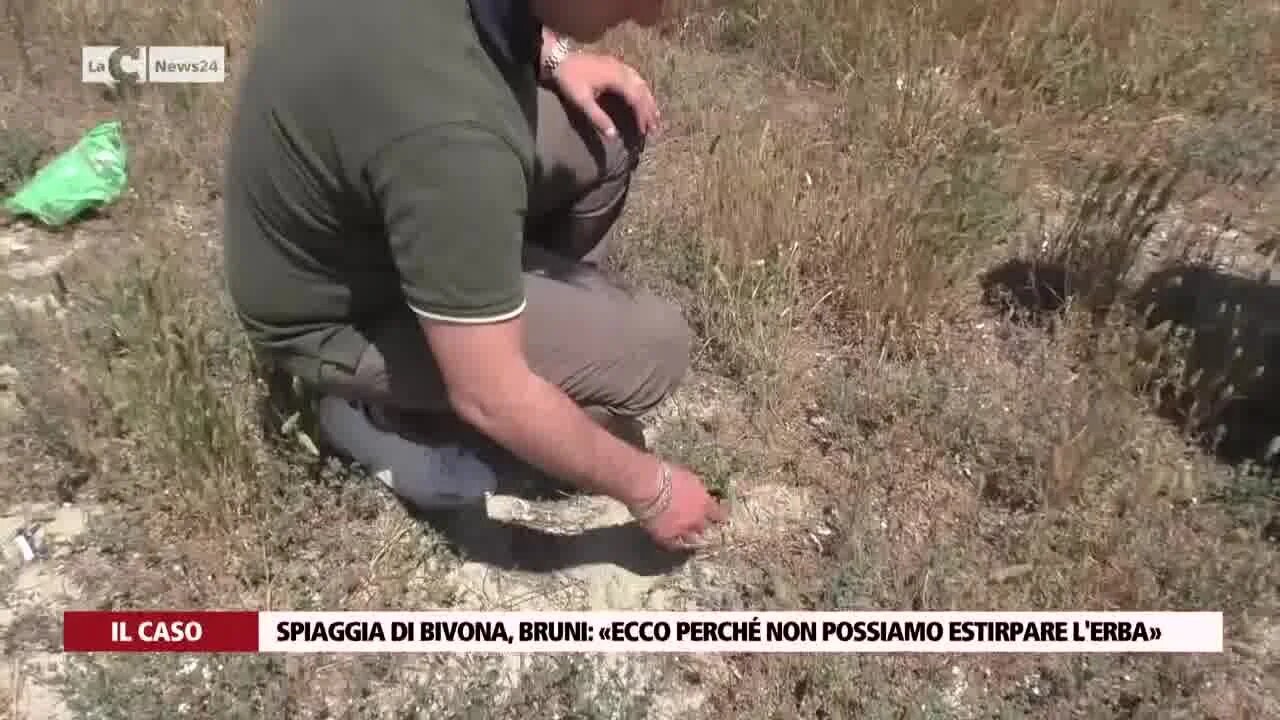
<point x="641" y="632"/>
<point x="110" y="64"/>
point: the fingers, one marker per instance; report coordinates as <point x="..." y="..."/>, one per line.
<point x="699" y="538"/>
<point x="694" y="537"/>
<point x="638" y="95"/>
<point x="687" y="541"/>
<point x="674" y="544"/>
<point x="692" y="542"/>
<point x="586" y="77"/>
<point x="597" y="115"/>
<point x="631" y="89"/>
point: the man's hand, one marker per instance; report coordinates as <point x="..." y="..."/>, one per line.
<point x="583" y="77"/>
<point x="690" y="513"/>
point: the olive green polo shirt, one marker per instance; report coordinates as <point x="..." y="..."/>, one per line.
<point x="380" y="155"/>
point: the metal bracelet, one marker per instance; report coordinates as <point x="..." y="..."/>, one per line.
<point x="661" y="500"/>
<point x="559" y="52"/>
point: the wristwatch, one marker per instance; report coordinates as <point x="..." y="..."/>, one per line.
<point x="558" y="53"/>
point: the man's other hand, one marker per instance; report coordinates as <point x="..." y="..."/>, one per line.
<point x="583" y="77"/>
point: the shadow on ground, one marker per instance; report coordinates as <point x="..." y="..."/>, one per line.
<point x="1028" y="291"/>
<point x="1233" y="357"/>
<point x="1228" y="392"/>
<point x="511" y="545"/>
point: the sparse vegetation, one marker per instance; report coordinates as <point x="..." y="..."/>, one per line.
<point x="962" y="280"/>
<point x="20" y="152"/>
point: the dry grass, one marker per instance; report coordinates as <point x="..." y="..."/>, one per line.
<point x="919" y="238"/>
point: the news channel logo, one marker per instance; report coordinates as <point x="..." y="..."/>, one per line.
<point x="138" y="64"/>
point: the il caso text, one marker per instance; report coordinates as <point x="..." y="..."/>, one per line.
<point x="149" y="631"/>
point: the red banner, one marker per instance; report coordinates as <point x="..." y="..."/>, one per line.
<point x="160" y="631"/>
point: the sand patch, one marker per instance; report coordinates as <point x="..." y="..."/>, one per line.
<point x="38" y="584"/>
<point x="28" y="253"/>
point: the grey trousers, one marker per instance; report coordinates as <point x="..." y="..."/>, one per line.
<point x="616" y="352"/>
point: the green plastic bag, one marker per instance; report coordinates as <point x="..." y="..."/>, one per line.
<point x="93" y="173"/>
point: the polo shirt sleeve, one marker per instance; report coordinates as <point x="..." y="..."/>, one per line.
<point x="453" y="200"/>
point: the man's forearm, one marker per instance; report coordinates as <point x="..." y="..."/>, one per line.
<point x="539" y="423"/>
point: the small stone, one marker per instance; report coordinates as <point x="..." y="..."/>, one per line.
<point x="1271" y="532"/>
<point x="10" y="407"/>
<point x="1011" y="572"/>
<point x="45" y="304"/>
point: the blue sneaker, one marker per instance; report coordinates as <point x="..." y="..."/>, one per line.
<point x="437" y="475"/>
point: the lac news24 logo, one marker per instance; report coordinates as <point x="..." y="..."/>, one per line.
<point x="137" y="64"/>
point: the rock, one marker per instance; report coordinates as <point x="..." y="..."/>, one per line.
<point x="1012" y="572"/>
<point x="10" y="407"/>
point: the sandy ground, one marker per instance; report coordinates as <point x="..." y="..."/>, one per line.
<point x="37" y="585"/>
<point x="584" y="552"/>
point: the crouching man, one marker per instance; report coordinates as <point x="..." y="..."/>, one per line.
<point x="417" y="199"/>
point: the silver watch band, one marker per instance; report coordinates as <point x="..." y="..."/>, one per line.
<point x="558" y="53"/>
